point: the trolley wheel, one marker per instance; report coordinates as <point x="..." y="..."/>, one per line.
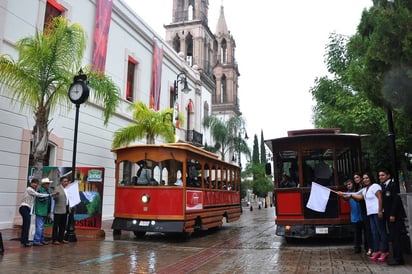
<point x="139" y="234"/>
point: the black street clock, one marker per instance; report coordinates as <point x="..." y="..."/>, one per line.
<point x="78" y="92"/>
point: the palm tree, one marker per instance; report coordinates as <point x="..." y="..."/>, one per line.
<point x="40" y="79"/>
<point x="226" y="134"/>
<point x="148" y="123"/>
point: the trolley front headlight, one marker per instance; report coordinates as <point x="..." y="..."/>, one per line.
<point x="145" y="198"/>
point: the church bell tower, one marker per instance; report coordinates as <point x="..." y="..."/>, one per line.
<point x="213" y="54"/>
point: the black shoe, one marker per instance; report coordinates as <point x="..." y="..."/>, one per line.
<point x="25" y="245"/>
<point x="37" y="244"/>
<point x="395" y="262"/>
<point x="45" y="243"/>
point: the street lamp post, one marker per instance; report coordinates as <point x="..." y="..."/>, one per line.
<point x="182" y="79"/>
<point x="241" y="131"/>
<point x="78" y="94"/>
<point x="268" y="168"/>
<point x="392" y="145"/>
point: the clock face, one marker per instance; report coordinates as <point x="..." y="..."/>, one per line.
<point x="76" y="91"/>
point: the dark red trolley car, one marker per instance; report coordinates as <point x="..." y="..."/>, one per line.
<point x="325" y="156"/>
<point x="173" y="188"/>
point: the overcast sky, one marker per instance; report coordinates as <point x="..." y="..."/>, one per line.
<point x="280" y="48"/>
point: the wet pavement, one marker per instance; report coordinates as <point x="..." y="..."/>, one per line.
<point x="246" y="246"/>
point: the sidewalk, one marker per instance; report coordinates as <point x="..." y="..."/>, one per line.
<point x="11" y="236"/>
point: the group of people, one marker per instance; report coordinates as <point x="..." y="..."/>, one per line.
<point x="38" y="200"/>
<point x="376" y="208"/>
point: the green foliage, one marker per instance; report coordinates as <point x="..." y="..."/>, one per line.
<point x="382" y="54"/>
<point x="245" y="185"/>
<point x="226" y="134"/>
<point x="148" y="124"/>
<point x="262" y="149"/>
<point x="370" y="74"/>
<point x="338" y="105"/>
<point x="255" y="151"/>
<point x="43" y="72"/>
<point x="260" y="184"/>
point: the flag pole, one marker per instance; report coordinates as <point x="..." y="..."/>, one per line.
<point x="331" y="190"/>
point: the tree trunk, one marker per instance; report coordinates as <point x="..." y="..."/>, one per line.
<point x="40" y="142"/>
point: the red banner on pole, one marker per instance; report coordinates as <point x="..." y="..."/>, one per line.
<point x="156" y="76"/>
<point x="101" y="33"/>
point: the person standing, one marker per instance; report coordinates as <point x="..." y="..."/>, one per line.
<point x="367" y="234"/>
<point x="355" y="216"/>
<point x="42" y="206"/>
<point x="393" y="214"/>
<point x="26" y="207"/>
<point x="61" y="209"/>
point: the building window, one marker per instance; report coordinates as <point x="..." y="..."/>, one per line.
<point x="189" y="49"/>
<point x="176" y="43"/>
<point x="53" y="9"/>
<point x="223" y="52"/>
<point x="205" y="109"/>
<point x="131" y="72"/>
<point x="223" y="90"/>
<point x="190" y="12"/>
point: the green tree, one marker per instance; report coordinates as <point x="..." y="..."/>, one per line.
<point x="255" y="169"/>
<point x="260" y="183"/>
<point x="338" y="105"/>
<point x="40" y="79"/>
<point x="371" y="80"/>
<point x="382" y="65"/>
<point x="262" y="149"/>
<point x="148" y="124"/>
<point x="255" y="150"/>
<point x="226" y="134"/>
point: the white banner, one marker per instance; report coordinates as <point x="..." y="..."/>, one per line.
<point x="318" y="199"/>
<point x="72" y="191"/>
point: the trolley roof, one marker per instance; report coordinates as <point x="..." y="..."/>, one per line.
<point x="179" y="146"/>
<point x="300" y="137"/>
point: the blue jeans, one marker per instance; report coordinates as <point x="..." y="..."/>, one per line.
<point x="38" y="236"/>
<point x="25" y="214"/>
<point x="379" y="234"/>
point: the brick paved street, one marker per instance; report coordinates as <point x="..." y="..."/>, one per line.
<point x="247" y="246"/>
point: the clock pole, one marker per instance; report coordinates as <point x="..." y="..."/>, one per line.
<point x="81" y="79"/>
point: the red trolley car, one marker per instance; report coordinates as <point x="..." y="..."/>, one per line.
<point x="325" y="156"/>
<point x="173" y="188"/>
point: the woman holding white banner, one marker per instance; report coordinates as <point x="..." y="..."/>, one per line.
<point x="372" y="194"/>
<point x="367" y="234"/>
